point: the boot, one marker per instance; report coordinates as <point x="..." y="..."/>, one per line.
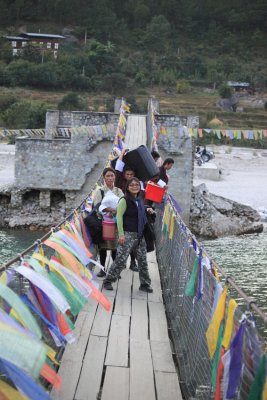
<point x="145" y="288"/>
<point x="101" y="274"/>
<point x="107" y="286"/>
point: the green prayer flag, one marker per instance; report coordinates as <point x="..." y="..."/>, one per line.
<point x="191" y="284"/>
<point x="216" y="358"/>
<point x="257" y="386"/>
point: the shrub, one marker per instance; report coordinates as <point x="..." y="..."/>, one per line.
<point x="72" y="102"/>
<point x="225" y="92"/>
<point x="25" y="114"/>
<point x="182" y="86"/>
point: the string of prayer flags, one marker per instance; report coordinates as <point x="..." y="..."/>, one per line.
<point x="213" y="329"/>
<point x="23" y="351"/>
<point x="23" y="382"/>
<point x="46" y="286"/>
<point x="92" y="131"/>
<point x="15" y="303"/>
<point x="249" y="134"/>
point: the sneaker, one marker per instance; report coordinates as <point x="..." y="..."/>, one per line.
<point x="134" y="267"/>
<point x="108" y="286"/>
<point x="146" y="288"/>
<point x="101" y="274"/>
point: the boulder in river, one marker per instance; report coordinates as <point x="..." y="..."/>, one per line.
<point x="214" y="216"/>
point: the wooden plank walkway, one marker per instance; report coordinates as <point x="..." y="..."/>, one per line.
<point x="125" y="354"/>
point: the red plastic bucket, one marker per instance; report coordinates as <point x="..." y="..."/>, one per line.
<point x="108" y="229"/>
<point x="154" y="192"/>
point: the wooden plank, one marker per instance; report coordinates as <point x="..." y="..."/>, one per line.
<point x="136" y="293"/>
<point x="162" y="357"/>
<point x="124" y="296"/>
<point x="155" y="283"/>
<point x="158" y="330"/>
<point x="141" y="371"/>
<point x="69" y="373"/>
<point x="116" y="384"/>
<point x="139" y="321"/>
<point x="91" y="374"/>
<point x="75" y="351"/>
<point x="126" y="276"/>
<point x="167" y="386"/>
<point x="102" y="321"/>
<point x="117" y="351"/>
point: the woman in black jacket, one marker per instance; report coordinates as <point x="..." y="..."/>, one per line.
<point x="131" y="221"/>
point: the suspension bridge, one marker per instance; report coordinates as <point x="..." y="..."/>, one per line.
<point x="168" y="344"/>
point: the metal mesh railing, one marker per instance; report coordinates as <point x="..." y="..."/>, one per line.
<point x="189" y="318"/>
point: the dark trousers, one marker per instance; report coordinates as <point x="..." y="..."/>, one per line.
<point x="103" y="256"/>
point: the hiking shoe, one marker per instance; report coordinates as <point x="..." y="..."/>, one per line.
<point x="146" y="288"/>
<point x="134" y="267"/>
<point x="101" y="274"/>
<point x="108" y="286"/>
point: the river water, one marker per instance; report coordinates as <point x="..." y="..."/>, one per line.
<point x="242" y="257"/>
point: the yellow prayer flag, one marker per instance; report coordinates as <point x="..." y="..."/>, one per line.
<point x="166" y="215"/>
<point x="264" y="393"/>
<point x="172" y="226"/>
<point x="229" y="324"/>
<point x="10" y="393"/>
<point x="190" y="131"/>
<point x="163" y="130"/>
<point x="3" y="278"/>
<point x="213" y="329"/>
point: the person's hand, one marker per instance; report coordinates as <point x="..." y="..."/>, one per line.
<point x="150" y="210"/>
<point x="121" y="240"/>
<point x="110" y="210"/>
<point x="122" y="153"/>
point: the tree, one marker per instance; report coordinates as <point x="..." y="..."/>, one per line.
<point x="71" y="101"/>
<point x="25" y="114"/>
<point x="157" y="34"/>
<point x="225" y="92"/>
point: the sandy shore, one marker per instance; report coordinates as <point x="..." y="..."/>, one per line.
<point x="243" y="175"/>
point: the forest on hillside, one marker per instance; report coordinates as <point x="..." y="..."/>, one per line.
<point x="116" y="46"/>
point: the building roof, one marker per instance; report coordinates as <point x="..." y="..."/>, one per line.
<point x="41" y="35"/>
<point x="16" y="38"/>
<point x="241" y="84"/>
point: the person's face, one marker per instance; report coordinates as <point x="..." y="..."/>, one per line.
<point x="134" y="188"/>
<point x="109" y="178"/>
<point x="128" y="174"/>
<point x="168" y="166"/>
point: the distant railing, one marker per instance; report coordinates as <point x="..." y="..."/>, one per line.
<point x="190" y="303"/>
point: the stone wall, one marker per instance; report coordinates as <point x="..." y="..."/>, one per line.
<point x="61" y="118"/>
<point x="177" y="144"/>
<point x="53" y="164"/>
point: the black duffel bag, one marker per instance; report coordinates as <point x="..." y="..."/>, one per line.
<point x="93" y="222"/>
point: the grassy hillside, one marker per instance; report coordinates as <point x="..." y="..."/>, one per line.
<point x="197" y="102"/>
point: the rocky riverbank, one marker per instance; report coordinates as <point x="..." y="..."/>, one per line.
<point x="215" y="216"/>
